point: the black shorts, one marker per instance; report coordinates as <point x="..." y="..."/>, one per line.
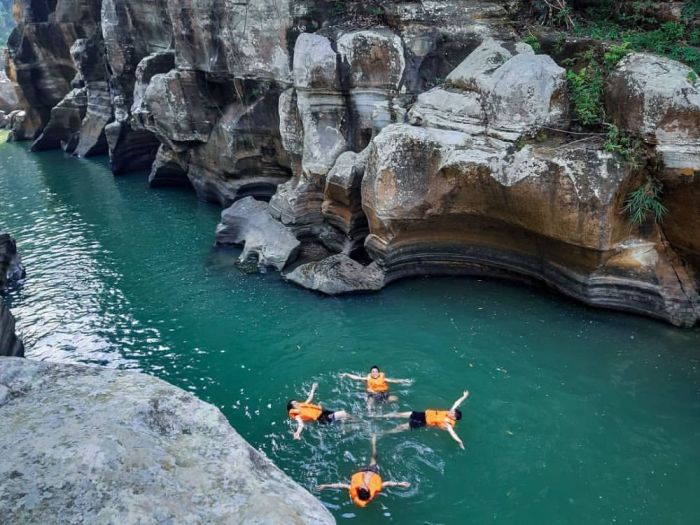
<point x="378" y="397"/>
<point x="417" y="420"/>
<point x="327" y="416"/>
<point x="372" y="468"/>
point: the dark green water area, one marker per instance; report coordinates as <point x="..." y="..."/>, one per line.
<point x="576" y="415"/>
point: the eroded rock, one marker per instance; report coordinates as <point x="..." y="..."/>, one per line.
<point x="125" y="447"/>
<point x="249" y="222"/>
<point x="658" y="99"/>
<point x="337" y="274"/>
<point x="443" y="201"/>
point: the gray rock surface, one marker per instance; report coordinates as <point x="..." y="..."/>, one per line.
<point x="337" y="274"/>
<point x="93" y="445"/>
<point x="658" y="98"/>
<point x="248" y="222"/>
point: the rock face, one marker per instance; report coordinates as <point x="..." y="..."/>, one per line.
<point x="125" y="447"/>
<point x="414" y="136"/>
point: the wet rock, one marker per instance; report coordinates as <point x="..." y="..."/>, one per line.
<point x="11" y="269"/>
<point x="10" y="344"/>
<point x="658" y="99"/>
<point x="337" y="274"/>
<point x="250" y="223"/>
<point x="99" y="445"/>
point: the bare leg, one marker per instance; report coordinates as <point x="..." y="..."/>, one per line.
<point x="392" y="399"/>
<point x="401" y="415"/>
<point x="373" y="459"/>
<point x="370" y="403"/>
<point x="340" y="415"/>
<point x="400" y="428"/>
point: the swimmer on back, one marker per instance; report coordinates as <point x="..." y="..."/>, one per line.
<point x="377" y="385"/>
<point x="307" y="411"/>
<point x="443" y="419"/>
<point x="366" y="484"/>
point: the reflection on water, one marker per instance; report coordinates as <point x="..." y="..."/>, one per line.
<point x="576" y="415"/>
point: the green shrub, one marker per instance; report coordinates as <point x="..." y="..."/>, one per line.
<point x="586" y="90"/>
<point x="644" y="202"/>
<point x="533" y="42"/>
<point x="628" y="147"/>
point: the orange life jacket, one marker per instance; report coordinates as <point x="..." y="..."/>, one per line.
<point x="437" y="418"/>
<point x="378" y="385"/>
<point x="374" y="486"/>
<point x="307" y="411"/>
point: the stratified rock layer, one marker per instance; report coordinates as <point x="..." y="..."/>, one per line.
<point x="92" y="445"/>
<point x="419" y="134"/>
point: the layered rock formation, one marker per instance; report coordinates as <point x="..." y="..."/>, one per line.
<point x="124" y="447"/>
<point x="396" y="138"/>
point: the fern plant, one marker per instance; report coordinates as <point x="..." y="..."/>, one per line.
<point x="645" y="201"/>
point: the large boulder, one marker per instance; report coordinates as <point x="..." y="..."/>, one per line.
<point x="497" y="92"/>
<point x="93" y="445"/>
<point x="658" y="99"/>
<point x="249" y="222"/>
<point x="337" y="274"/>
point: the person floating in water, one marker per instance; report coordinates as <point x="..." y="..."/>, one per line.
<point x="377" y="385"/>
<point x="444" y="419"/>
<point x="306" y="411"/>
<point x="366" y="484"/>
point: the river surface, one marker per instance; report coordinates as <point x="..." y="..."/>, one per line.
<point x="576" y="416"/>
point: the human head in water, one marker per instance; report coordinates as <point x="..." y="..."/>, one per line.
<point x="374" y="371"/>
<point x="456" y="413"/>
<point x="292" y="404"/>
<point x="363" y="494"/>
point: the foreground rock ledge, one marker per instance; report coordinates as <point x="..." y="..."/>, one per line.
<point x="93" y="445"/>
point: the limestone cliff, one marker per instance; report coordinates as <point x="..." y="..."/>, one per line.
<point x="403" y="137"/>
<point x="93" y="445"/>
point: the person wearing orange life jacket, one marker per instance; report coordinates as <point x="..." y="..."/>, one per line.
<point x="366" y="484"/>
<point x="377" y="385"/>
<point x="307" y="411"/>
<point x="443" y="419"/>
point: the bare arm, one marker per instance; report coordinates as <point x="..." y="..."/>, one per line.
<point x="353" y="376"/>
<point x="333" y="486"/>
<point x="404" y="484"/>
<point x="400" y="381"/>
<point x="456" y="404"/>
<point x="300" y="427"/>
<point x="311" y="394"/>
<point x="454" y="435"/>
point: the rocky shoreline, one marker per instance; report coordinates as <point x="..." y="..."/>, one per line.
<point x="391" y="139"/>
<point x="94" y="445"/>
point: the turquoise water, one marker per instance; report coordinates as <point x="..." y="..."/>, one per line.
<point x="576" y="415"/>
